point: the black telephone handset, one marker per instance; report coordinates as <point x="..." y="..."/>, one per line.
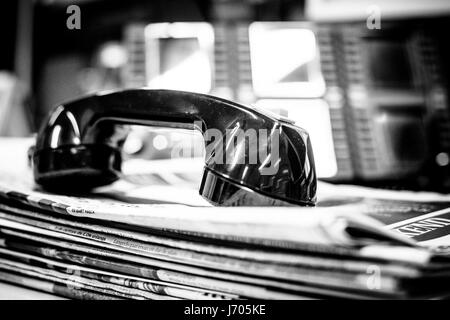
<point x="79" y="146"/>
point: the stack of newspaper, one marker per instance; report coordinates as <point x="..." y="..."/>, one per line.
<point x="162" y="241"/>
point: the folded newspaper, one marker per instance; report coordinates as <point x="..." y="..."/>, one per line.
<point x="151" y="236"/>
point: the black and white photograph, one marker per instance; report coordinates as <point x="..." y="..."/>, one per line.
<point x="238" y="150"/>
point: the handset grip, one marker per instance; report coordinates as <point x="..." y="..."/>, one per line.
<point x="79" y="146"/>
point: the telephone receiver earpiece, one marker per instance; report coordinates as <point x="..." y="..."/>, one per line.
<point x="253" y="158"/>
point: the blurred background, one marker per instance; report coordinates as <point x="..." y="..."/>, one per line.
<point x="367" y="79"/>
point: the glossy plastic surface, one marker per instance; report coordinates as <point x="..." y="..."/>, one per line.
<point x="80" y="144"/>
